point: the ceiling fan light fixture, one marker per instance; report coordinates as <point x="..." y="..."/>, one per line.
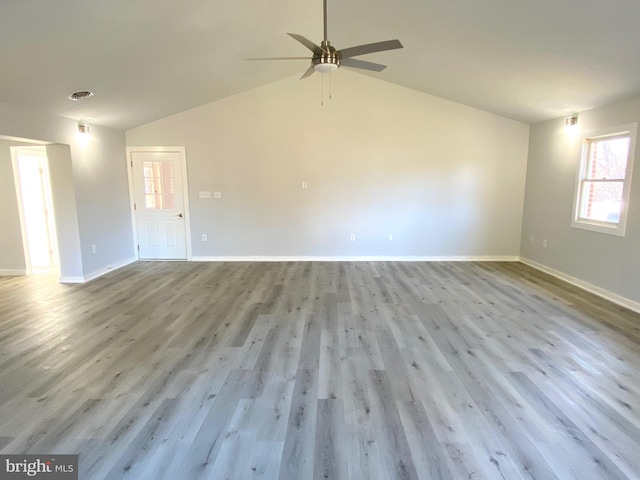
<point x="325" y="67"/>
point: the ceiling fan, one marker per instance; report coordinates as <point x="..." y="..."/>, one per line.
<point x="326" y="59"/>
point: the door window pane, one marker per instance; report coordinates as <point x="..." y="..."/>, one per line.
<point x="158" y="185"/>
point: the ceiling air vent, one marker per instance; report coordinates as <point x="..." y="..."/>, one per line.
<point x="80" y="95"/>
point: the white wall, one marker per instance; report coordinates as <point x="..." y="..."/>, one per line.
<point x="605" y="262"/>
<point x="99" y="180"/>
<point x="65" y="207"/>
<point x="445" y="179"/>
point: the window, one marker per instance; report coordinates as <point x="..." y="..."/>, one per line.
<point x="604" y="180"/>
<point x="158" y="185"/>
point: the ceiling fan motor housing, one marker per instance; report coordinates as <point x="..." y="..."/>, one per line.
<point x="328" y="60"/>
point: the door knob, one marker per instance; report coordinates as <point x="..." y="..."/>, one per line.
<point x="179" y="215"/>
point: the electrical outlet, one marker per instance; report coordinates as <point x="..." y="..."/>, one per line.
<point x="217" y="194"/>
<point x="544" y="243"/>
<point x="304" y="185"/>
<point x="94" y="248"/>
<point x="353" y="237"/>
<point x="204" y="237"/>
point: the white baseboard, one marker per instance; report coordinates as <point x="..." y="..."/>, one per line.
<point x="601" y="292"/>
<point x="67" y="279"/>
<point x="258" y="258"/>
<point x="13" y="272"/>
<point x="98" y="273"/>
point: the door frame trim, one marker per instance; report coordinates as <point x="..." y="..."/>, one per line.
<point x="185" y="193"/>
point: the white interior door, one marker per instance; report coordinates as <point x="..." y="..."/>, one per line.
<point x="159" y="204"/>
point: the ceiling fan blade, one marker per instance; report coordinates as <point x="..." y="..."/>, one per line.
<point x="355" y="63"/>
<point x="308" y="73"/>
<point x="280" y="58"/>
<point x="370" y="48"/>
<point x="307" y="43"/>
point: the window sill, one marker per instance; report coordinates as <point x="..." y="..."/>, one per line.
<point x="616" y="229"/>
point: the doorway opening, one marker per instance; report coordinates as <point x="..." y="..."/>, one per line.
<point x="35" y="205"/>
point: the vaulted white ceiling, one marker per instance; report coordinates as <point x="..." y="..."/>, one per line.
<point x="146" y="59"/>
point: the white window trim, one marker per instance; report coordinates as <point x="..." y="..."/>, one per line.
<point x="618" y="229"/>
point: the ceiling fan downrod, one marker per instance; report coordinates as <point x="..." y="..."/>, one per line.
<point x="324" y="16"/>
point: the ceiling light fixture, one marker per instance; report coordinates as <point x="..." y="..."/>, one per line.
<point x="75" y="96"/>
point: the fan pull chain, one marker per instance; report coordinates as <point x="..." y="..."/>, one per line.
<point x="325" y="77"/>
<point x="322" y="82"/>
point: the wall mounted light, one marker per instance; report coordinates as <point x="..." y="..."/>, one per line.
<point x="84" y="129"/>
<point x="571" y="124"/>
<point x="83" y="137"/>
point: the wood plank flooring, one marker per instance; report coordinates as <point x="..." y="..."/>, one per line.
<point x="372" y="370"/>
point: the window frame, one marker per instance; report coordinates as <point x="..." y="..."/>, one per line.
<point x="619" y="228"/>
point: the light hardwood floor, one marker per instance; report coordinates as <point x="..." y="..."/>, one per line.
<point x="321" y="371"/>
